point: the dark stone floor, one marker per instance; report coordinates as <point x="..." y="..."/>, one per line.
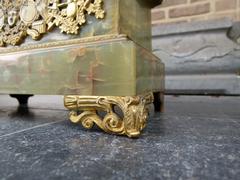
<point x="196" y="138"/>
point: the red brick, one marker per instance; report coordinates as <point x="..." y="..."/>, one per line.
<point x="167" y="3"/>
<point x="222" y="5"/>
<point x="189" y="10"/>
<point x="195" y="1"/>
<point x="158" y="15"/>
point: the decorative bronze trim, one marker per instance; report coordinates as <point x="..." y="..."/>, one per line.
<point x="72" y="42"/>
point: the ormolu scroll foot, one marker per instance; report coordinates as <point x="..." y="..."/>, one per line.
<point x="130" y="122"/>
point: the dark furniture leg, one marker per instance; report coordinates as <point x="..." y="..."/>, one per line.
<point x="22" y="99"/>
<point x="159" y="101"/>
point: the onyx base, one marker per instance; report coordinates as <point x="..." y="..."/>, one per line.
<point x="83" y="69"/>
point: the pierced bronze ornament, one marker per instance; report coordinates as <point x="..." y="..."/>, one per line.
<point x="85" y="110"/>
<point x="22" y="18"/>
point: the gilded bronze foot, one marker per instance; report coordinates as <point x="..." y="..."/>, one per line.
<point x="85" y="110"/>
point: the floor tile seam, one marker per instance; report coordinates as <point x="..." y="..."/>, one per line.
<point x="202" y="117"/>
<point x="29" y="129"/>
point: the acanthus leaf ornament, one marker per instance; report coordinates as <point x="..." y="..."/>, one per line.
<point x="22" y="18"/>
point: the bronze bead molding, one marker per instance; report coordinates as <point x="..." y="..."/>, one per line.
<point x="22" y="18"/>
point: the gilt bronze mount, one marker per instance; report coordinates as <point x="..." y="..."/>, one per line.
<point x="85" y="110"/>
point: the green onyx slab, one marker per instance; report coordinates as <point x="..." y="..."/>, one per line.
<point x="116" y="68"/>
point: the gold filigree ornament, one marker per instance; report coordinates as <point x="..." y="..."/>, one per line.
<point x="71" y="15"/>
<point x="125" y="115"/>
<point x="20" y="18"/>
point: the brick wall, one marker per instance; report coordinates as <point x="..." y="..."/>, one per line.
<point x="172" y="11"/>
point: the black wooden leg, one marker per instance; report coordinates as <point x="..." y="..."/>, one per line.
<point x="159" y="101"/>
<point x="22" y="99"/>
